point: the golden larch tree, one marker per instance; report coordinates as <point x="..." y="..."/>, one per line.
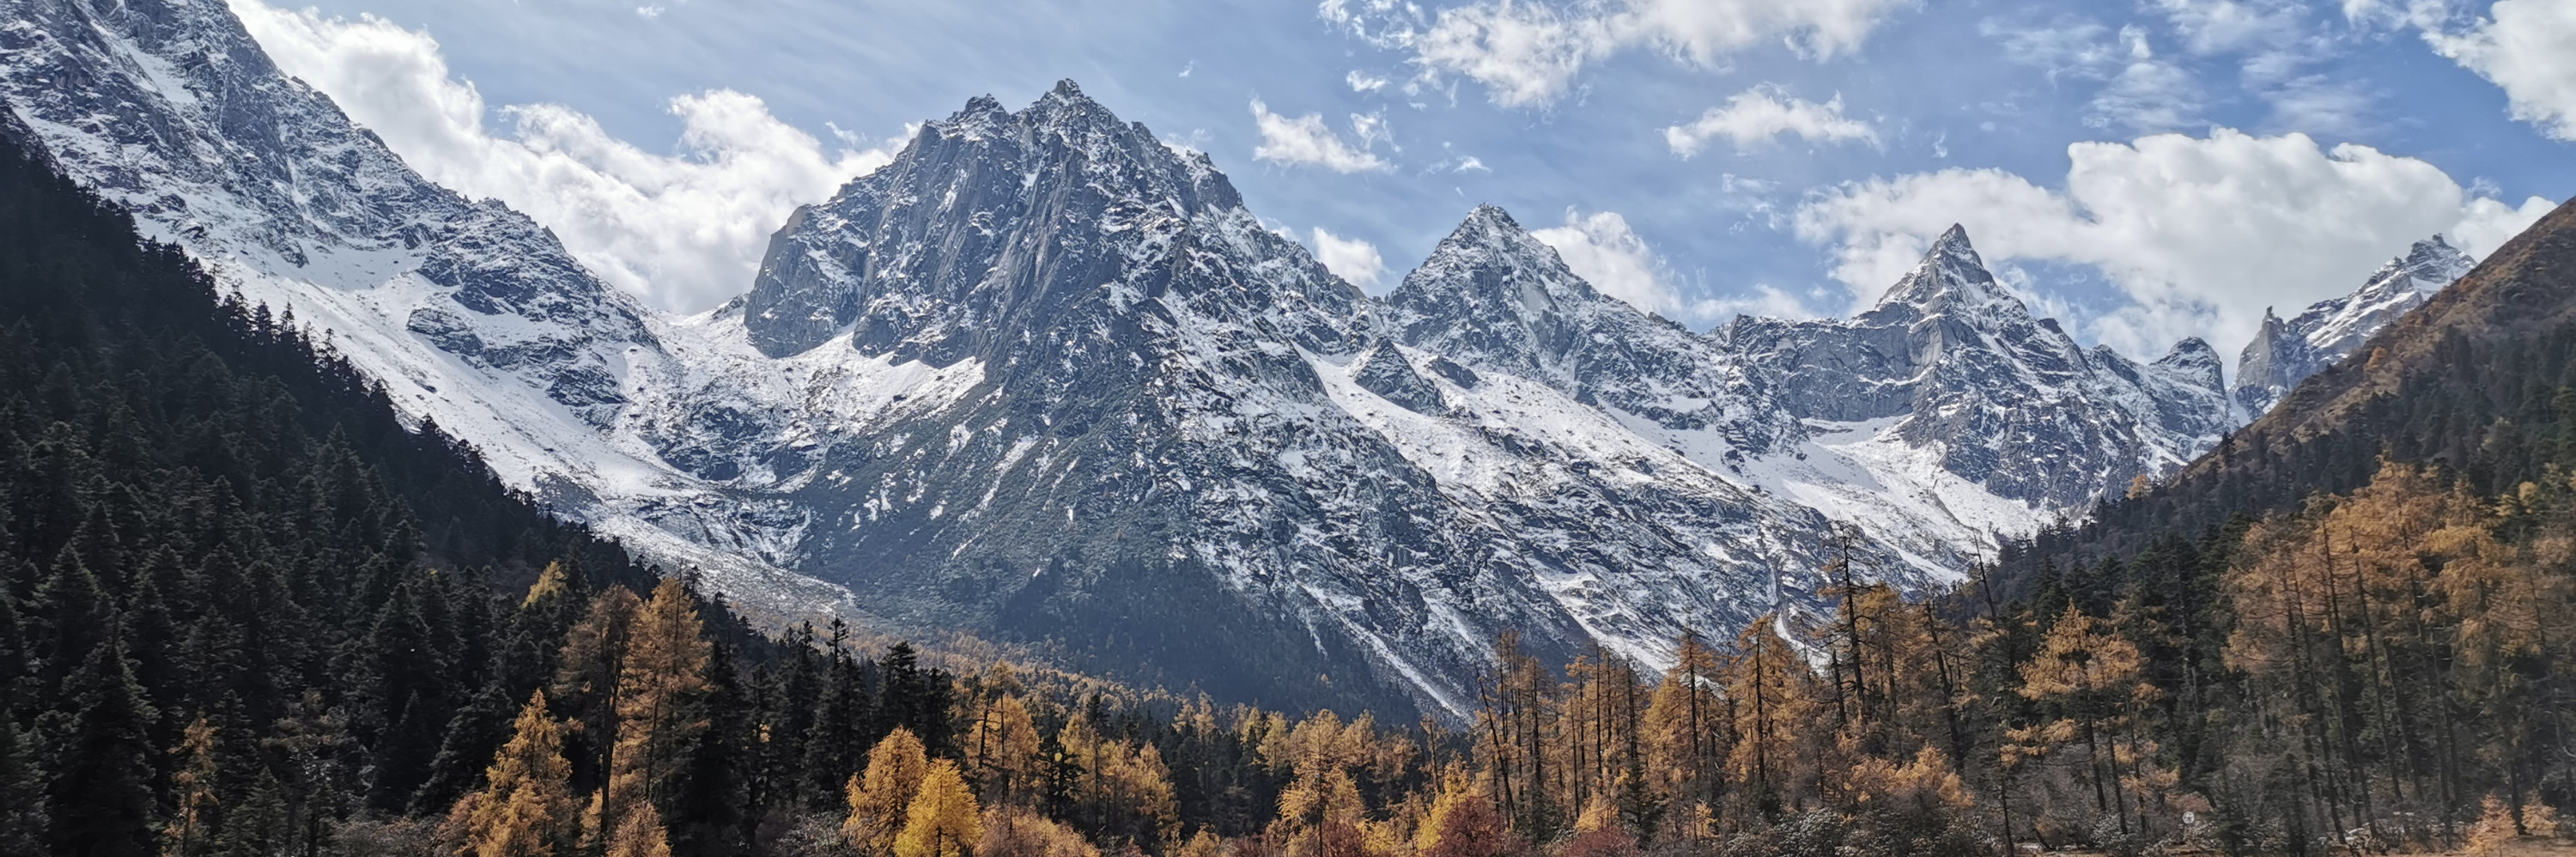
<point x="880" y="797"/>
<point x="526" y="807"/>
<point x="943" y="820"/>
<point x="660" y="703"/>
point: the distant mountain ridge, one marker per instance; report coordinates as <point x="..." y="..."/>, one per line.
<point x="1048" y="380"/>
<point x="2285" y="353"/>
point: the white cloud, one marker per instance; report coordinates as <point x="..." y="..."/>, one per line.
<point x="2199" y="233"/>
<point x="1351" y="258"/>
<point x="2068" y="48"/>
<point x="1600" y="248"/>
<point x="1305" y="141"/>
<point x="2219" y="26"/>
<point x="1363" y="83"/>
<point x="2148" y="94"/>
<point x="1765" y="301"/>
<point x="684" y="232"/>
<point x="1752" y="118"/>
<point x="1528" y="53"/>
<point x="2528" y="47"/>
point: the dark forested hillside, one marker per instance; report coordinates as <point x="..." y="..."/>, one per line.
<point x="2480" y="380"/>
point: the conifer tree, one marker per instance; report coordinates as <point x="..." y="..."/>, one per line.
<point x="101" y="798"/>
<point x="191" y="828"/>
<point x="660" y="702"/>
<point x="466" y="749"/>
<point x="406" y="700"/>
<point x="639" y="833"/>
<point x="586" y="681"/>
<point x="881" y="797"/>
<point x="1001" y="748"/>
<point x="526" y="806"/>
<point x="23" y="819"/>
<point x="942" y="819"/>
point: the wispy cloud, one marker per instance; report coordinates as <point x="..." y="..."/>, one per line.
<point x="1305" y="141"/>
<point x="1755" y="117"/>
<point x="1528" y="53"/>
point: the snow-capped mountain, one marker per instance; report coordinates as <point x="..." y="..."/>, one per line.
<point x="1179" y="414"/>
<point x="1047" y="380"/>
<point x="2284" y="353"/>
<point x="469" y="313"/>
<point x="1948" y="393"/>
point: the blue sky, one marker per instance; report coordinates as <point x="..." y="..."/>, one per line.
<point x="2146" y="171"/>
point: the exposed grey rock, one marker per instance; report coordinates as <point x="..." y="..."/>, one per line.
<point x="2285" y="353"/>
<point x="2010" y="402"/>
<point x="1493" y="297"/>
<point x="1385" y="372"/>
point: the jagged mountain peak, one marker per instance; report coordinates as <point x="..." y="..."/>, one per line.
<point x="1951" y="278"/>
<point x="1495" y="294"/>
<point x="979" y="219"/>
<point x="2285" y="352"/>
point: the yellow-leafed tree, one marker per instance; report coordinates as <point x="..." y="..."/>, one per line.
<point x="525" y="808"/>
<point x="640" y="834"/>
<point x="881" y="797"/>
<point x="1002" y="748"/>
<point x="660" y="703"/>
<point x="194" y="786"/>
<point x="943" y="820"/>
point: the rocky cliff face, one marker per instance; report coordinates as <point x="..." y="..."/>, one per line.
<point x="2284" y="353"/>
<point x="1492" y="297"/>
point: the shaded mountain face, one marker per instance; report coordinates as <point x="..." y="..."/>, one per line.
<point x="1045" y="380"/>
<point x="2285" y="353"/>
<point x="1948" y="361"/>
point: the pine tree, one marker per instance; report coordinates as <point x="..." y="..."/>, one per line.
<point x="23" y="820"/>
<point x="406" y="699"/>
<point x="101" y="796"/>
<point x="472" y="734"/>
<point x="942" y="820"/>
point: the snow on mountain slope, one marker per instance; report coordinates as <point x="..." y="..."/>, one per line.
<point x="2285" y="353"/>
<point x="1948" y="414"/>
<point x="1184" y="416"/>
<point x="469" y="313"/>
